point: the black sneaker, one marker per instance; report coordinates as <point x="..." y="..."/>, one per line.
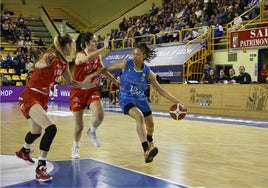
<point x="150" y="154"/>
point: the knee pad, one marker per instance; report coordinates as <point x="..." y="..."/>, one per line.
<point x="48" y="137"/>
<point x="30" y="138"/>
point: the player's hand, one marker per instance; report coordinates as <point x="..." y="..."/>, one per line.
<point x="91" y="84"/>
<point x="88" y="79"/>
<point x="48" y="58"/>
<point x="106" y="42"/>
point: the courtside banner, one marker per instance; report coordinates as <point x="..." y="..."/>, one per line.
<point x="166" y="54"/>
<point x="173" y="73"/>
<point x="10" y="93"/>
<point x="167" y="64"/>
<point x="249" y="38"/>
<point x="60" y="93"/>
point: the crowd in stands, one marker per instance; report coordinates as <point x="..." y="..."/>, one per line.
<point x="15" y="31"/>
<point x="109" y="90"/>
<point x="175" y="15"/>
<point x="165" y="21"/>
<point x="211" y="77"/>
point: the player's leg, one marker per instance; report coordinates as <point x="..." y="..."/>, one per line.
<point x="150" y="129"/>
<point x="149" y="153"/>
<point x="78" y="128"/>
<point x="39" y="116"/>
<point x="97" y="118"/>
<point x="136" y="114"/>
<point x="30" y="137"/>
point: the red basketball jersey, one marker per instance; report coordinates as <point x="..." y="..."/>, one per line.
<point x="83" y="70"/>
<point x="43" y="79"/>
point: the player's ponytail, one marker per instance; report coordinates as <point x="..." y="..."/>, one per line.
<point x="150" y="53"/>
<point x="78" y="42"/>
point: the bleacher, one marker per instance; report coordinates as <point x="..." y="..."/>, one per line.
<point x="194" y="63"/>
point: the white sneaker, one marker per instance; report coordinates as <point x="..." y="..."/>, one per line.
<point x="93" y="138"/>
<point x="75" y="152"/>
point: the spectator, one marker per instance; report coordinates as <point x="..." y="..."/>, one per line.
<point x="232" y="75"/>
<point x="20" y="67"/>
<point x="222" y="16"/>
<point x="153" y="9"/>
<point x="207" y="68"/>
<point x="28" y="65"/>
<point x="123" y="26"/>
<point x="198" y="12"/>
<point x="1" y="61"/>
<point x="5" y="29"/>
<point x="264" y="73"/>
<point x="190" y="35"/>
<point x="113" y="91"/>
<point x="160" y="34"/>
<point x="237" y="21"/>
<point x="211" y="78"/>
<point x="254" y="12"/>
<point x="5" y="82"/>
<point x="243" y="77"/>
<point x="222" y="77"/>
<point x="27" y="35"/>
<point x="21" y="21"/>
<point x="8" y="62"/>
<point x="6" y="15"/>
<point x="217" y="29"/>
<point x="40" y="42"/>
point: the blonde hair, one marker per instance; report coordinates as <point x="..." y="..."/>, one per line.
<point x="60" y="41"/>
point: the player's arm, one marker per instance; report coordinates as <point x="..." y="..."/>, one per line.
<point x="82" y="58"/>
<point x="116" y="66"/>
<point x="161" y="90"/>
<point x="106" y="73"/>
<point x="73" y="83"/>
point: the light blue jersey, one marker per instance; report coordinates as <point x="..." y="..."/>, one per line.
<point x="133" y="85"/>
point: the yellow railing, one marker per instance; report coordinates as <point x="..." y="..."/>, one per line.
<point x="193" y="69"/>
<point x="264" y="10"/>
<point x="194" y="60"/>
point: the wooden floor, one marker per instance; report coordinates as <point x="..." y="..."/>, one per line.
<point x="194" y="153"/>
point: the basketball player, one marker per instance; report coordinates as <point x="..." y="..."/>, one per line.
<point x="133" y="82"/>
<point x="33" y="100"/>
<point x="87" y="61"/>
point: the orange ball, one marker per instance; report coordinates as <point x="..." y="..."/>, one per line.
<point x="177" y="111"/>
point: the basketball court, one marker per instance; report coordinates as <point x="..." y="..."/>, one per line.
<point x="198" y="151"/>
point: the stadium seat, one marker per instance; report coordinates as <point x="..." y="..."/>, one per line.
<point x="23" y="76"/>
<point x="19" y="83"/>
<point x="15" y="77"/>
<point x="3" y="71"/>
<point x="11" y="71"/>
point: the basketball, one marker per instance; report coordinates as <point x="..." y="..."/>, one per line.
<point x="177" y="111"/>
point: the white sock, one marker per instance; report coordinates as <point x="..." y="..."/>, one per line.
<point x="76" y="144"/>
<point x="26" y="146"/>
<point x="93" y="129"/>
<point x="42" y="158"/>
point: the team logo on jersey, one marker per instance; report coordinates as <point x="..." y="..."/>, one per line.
<point x="143" y="76"/>
<point x="76" y="99"/>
